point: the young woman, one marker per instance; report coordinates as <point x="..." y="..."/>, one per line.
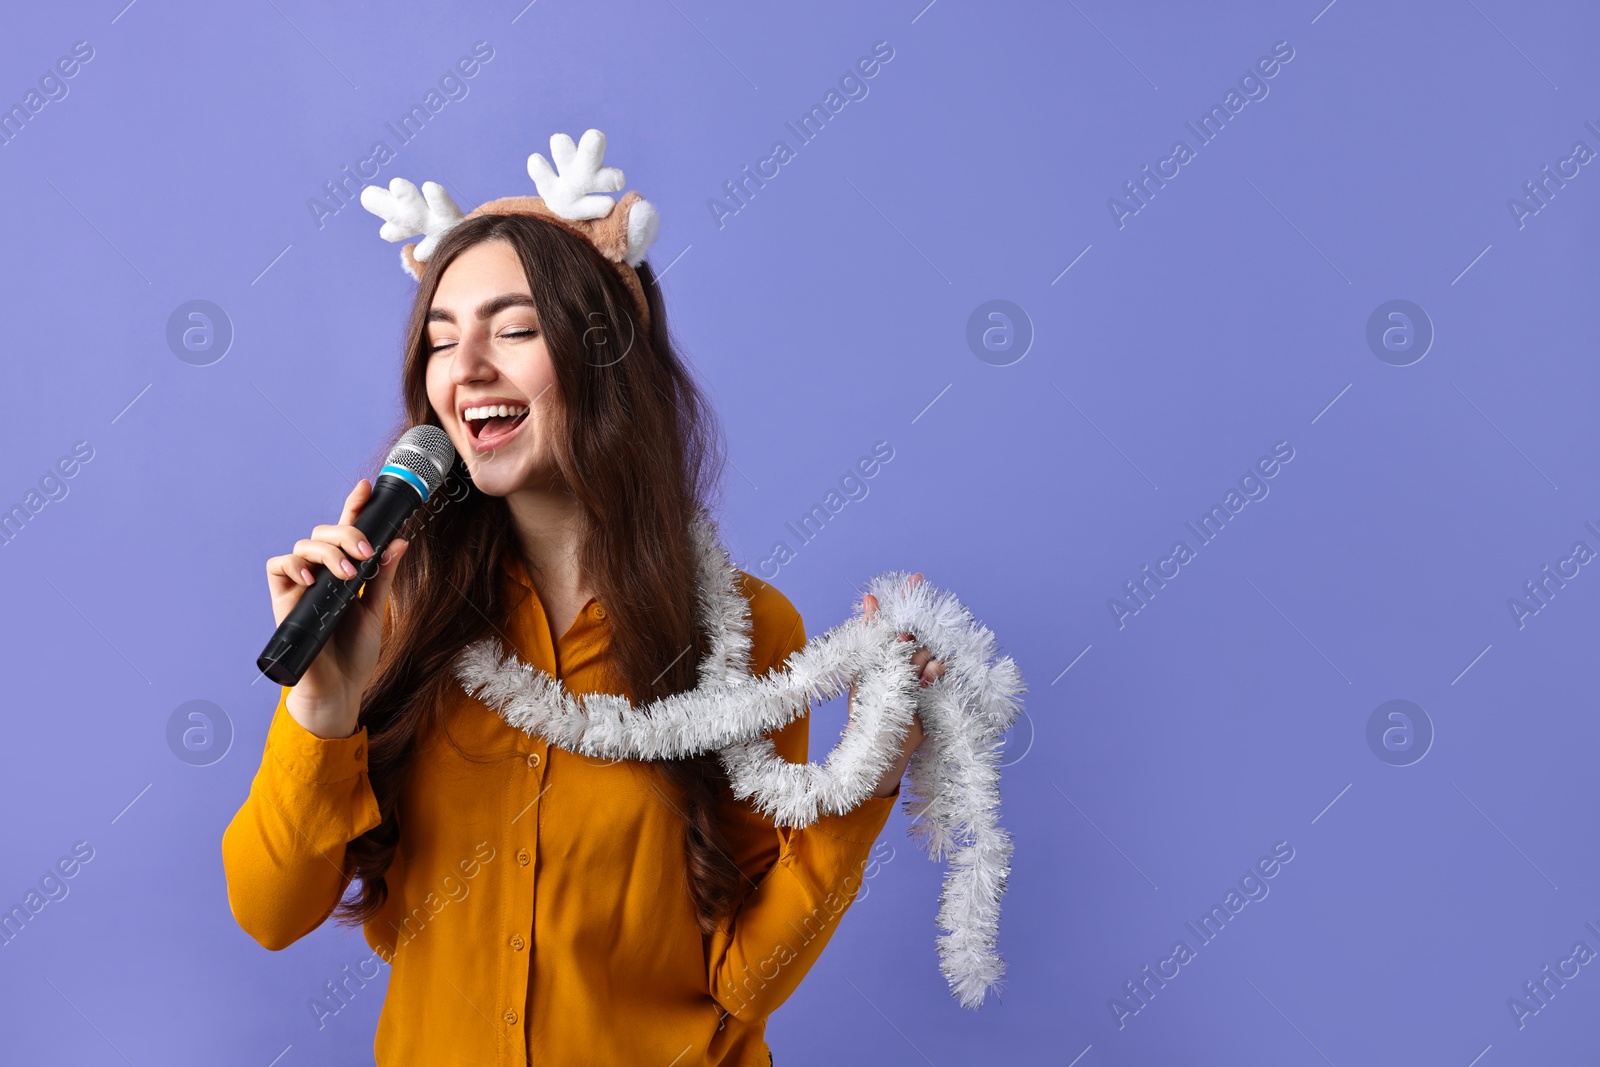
<point x="537" y="905"/>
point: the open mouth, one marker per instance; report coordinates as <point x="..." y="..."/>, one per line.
<point x="490" y="430"/>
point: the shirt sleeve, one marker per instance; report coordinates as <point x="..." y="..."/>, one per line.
<point x="800" y="881"/>
<point x="283" y="853"/>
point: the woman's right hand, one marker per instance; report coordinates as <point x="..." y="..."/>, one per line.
<point x="327" y="699"/>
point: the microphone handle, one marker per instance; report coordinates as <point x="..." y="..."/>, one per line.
<point x="306" y="629"/>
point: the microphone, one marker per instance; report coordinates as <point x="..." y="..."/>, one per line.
<point x="415" y="469"/>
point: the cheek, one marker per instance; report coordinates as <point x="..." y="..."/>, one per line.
<point x="438" y="387"/>
<point x="538" y="382"/>
<point x="543" y="375"/>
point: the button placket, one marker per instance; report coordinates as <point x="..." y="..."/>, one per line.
<point x="535" y="761"/>
<point x="525" y="785"/>
<point x="523" y="917"/>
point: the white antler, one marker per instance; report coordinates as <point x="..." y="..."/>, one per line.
<point x="405" y="212"/>
<point x="574" y="192"/>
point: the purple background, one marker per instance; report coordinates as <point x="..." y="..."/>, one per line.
<point x="830" y="312"/>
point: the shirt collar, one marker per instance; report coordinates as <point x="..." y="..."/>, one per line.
<point x="517" y="571"/>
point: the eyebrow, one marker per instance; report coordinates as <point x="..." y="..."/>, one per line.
<point x="488" y="309"/>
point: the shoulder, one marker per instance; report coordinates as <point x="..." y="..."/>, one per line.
<point x="776" y="628"/>
<point x="776" y="631"/>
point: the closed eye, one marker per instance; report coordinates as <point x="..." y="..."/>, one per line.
<point x="508" y="333"/>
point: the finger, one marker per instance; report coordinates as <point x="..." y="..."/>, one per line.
<point x="913" y="581"/>
<point x="375" y="593"/>
<point x="329" y="555"/>
<point x="869" y="605"/>
<point x="352" y="503"/>
<point x="920" y="657"/>
<point x="289" y="569"/>
<point x="349" y="538"/>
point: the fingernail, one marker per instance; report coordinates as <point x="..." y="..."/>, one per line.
<point x="365" y="549"/>
<point x="386" y="554"/>
<point x="305" y="573"/>
<point x="347" y="568"/>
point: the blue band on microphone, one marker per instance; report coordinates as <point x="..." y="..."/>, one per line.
<point x="416" y="483"/>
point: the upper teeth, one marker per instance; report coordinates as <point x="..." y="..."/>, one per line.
<point x="490" y="411"/>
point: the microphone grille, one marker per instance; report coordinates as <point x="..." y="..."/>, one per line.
<point x="425" y="451"/>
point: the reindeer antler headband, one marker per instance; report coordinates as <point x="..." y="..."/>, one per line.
<point x="571" y="195"/>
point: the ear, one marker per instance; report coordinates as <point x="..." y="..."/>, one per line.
<point x="408" y="260"/>
<point x="643" y="222"/>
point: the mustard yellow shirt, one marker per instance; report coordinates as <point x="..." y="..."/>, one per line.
<point x="538" y="907"/>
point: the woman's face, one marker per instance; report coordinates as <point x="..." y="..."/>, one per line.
<point x="489" y="353"/>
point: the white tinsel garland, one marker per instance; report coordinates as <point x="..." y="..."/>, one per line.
<point x="954" y="775"/>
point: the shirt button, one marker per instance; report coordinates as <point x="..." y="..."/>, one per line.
<point x="361" y="750"/>
<point x="517" y="942"/>
<point x="599" y="612"/>
<point x="522" y="856"/>
<point x="511" y="1017"/>
<point x="533" y="759"/>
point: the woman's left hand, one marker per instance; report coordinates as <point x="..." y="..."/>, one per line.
<point x="927" y="669"/>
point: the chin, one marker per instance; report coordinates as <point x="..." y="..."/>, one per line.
<point x="496" y="481"/>
<point x="501" y="477"/>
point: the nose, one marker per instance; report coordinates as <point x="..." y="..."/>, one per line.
<point x="471" y="362"/>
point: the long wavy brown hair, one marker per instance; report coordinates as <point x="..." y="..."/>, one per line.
<point x="635" y="441"/>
